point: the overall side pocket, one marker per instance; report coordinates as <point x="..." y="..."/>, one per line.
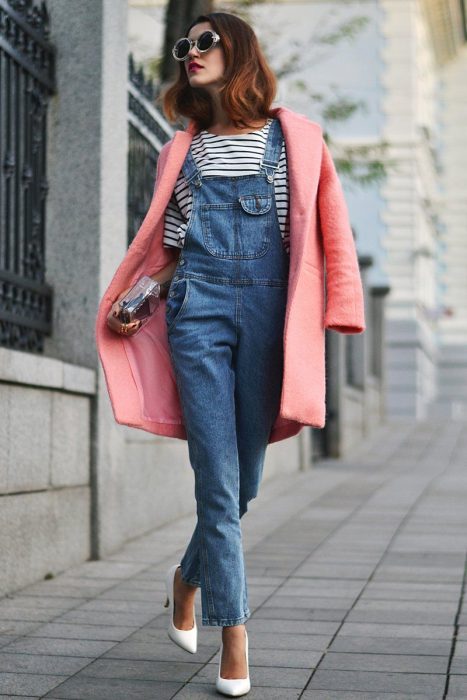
<point x="177" y="300"/>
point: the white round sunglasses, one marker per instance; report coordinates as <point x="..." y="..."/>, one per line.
<point x="182" y="47"/>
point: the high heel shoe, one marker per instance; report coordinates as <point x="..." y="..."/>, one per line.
<point x="186" y="639"/>
<point x="234" y="686"/>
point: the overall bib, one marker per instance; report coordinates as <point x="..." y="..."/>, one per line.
<point x="225" y="319"/>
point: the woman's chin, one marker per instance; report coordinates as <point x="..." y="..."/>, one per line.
<point x="196" y="80"/>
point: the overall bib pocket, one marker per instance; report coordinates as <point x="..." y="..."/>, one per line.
<point x="177" y="300"/>
<point x="238" y="230"/>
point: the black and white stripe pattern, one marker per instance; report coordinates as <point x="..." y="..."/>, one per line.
<point x="226" y="156"/>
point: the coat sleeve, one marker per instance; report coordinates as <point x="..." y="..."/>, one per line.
<point x="344" y="290"/>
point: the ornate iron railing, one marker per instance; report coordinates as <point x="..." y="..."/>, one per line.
<point x="148" y="131"/>
<point x="27" y="79"/>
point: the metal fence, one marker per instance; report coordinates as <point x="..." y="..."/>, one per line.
<point x="27" y="79"/>
<point x="148" y="131"/>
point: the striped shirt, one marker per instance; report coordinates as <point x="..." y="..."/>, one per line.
<point x="228" y="156"/>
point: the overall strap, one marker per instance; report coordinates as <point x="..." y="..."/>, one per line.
<point x="272" y="152"/>
<point x="191" y="170"/>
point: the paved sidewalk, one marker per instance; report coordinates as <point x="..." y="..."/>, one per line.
<point x="356" y="579"/>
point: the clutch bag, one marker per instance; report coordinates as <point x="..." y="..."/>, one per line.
<point x="140" y="302"/>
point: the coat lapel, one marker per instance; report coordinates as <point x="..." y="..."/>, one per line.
<point x="176" y="154"/>
<point x="303" y="147"/>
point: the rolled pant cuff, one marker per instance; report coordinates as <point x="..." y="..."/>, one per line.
<point x="191" y="582"/>
<point x="226" y="622"/>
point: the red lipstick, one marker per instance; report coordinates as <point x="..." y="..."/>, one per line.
<point x="194" y="67"/>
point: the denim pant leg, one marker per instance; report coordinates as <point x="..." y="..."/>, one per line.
<point x="202" y="348"/>
<point x="190" y="562"/>
<point x="259" y="371"/>
<point x="255" y="410"/>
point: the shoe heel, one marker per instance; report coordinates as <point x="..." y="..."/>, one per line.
<point x="234" y="686"/>
<point x="186" y="639"/>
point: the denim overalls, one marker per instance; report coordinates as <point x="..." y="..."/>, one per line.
<point x="225" y="318"/>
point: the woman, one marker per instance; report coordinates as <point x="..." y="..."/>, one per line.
<point x="237" y="361"/>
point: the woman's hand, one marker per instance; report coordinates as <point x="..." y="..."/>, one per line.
<point x="115" y="324"/>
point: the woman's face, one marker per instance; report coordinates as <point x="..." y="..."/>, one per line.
<point x="204" y="70"/>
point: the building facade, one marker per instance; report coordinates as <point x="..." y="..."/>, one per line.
<point x="404" y="62"/>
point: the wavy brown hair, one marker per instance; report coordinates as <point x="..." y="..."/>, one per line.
<point x="249" y="84"/>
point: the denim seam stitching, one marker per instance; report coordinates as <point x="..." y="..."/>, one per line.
<point x="207" y="580"/>
<point x="182" y="307"/>
<point x="177" y="381"/>
<point x="238" y="281"/>
<point x="227" y="621"/>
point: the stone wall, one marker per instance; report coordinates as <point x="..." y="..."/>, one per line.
<point x="45" y="461"/>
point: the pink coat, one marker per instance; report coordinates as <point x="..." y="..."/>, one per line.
<point x="138" y="369"/>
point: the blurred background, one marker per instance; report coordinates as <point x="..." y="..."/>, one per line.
<point x="80" y="133"/>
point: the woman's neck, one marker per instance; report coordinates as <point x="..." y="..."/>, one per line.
<point x="222" y="125"/>
<point x="229" y="129"/>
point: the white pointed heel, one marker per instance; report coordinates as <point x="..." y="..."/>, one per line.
<point x="186" y="639"/>
<point x="234" y="686"/>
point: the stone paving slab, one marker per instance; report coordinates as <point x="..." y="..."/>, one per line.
<point x="35" y="603"/>
<point x="411" y="663"/>
<point x="69" y="587"/>
<point x="27" y="683"/>
<point x="392" y="645"/>
<point x="60" y="630"/>
<point x="344" y="695"/>
<point x="396" y="631"/>
<point x="161" y="651"/>
<point x="394" y="615"/>
<point x="60" y="647"/>
<point x="378" y="681"/>
<point x="461" y="650"/>
<point x="459" y="666"/>
<point x="141" y="670"/>
<point x="111" y="619"/>
<point x="377" y="590"/>
<point x="13" y="628"/>
<point x="203" y="691"/>
<point x="355" y="568"/>
<point x="7" y="639"/>
<point x="88" y="688"/>
<point x="458" y="687"/>
<point x="41" y="663"/>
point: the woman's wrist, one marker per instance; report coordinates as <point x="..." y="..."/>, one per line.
<point x="163" y="284"/>
<point x="164" y="277"/>
<point x="164" y="287"/>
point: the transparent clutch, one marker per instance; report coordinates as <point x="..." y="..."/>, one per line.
<point x="140" y="302"/>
